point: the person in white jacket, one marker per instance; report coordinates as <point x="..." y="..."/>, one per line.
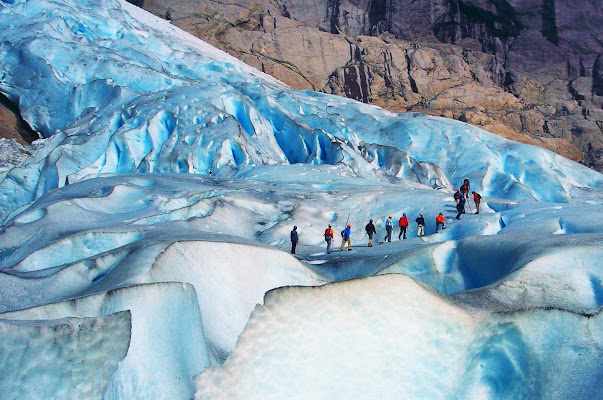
<point x="389" y="228"/>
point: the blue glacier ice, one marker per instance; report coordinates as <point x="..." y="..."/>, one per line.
<point x="61" y="358"/>
<point x="166" y="184"/>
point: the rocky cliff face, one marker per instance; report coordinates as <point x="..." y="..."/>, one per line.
<point x="12" y="126"/>
<point x="531" y="70"/>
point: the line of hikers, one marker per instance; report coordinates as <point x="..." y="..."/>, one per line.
<point x="460" y="196"/>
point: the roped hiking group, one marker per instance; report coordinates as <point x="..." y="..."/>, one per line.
<point x="461" y="196"/>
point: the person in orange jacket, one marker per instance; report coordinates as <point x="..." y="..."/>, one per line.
<point x="329" y="232"/>
<point x="403" y="223"/>
<point x="440" y="220"/>
<point x="477" y="198"/>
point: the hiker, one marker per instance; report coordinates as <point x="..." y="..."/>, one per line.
<point x="329" y="232"/>
<point x="440" y="220"/>
<point x="477" y="199"/>
<point x="465" y="188"/>
<point x="370" y="231"/>
<point x="294" y="239"/>
<point x="421" y="225"/>
<point x="460" y="207"/>
<point x="403" y="223"/>
<point x="345" y="237"/>
<point x="389" y="228"/>
<point x="457" y="196"/>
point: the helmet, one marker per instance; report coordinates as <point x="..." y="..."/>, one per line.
<point x="371" y="220"/>
<point x="404" y="214"/>
<point x="295" y="227"/>
<point x="329" y="225"/>
<point x="349" y="226"/>
<point x="391" y="216"/>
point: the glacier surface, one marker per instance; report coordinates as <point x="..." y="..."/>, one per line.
<point x="166" y="184"/>
<point x="59" y="359"/>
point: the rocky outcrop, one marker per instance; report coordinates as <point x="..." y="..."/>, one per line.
<point x="12" y="126"/>
<point x="531" y="71"/>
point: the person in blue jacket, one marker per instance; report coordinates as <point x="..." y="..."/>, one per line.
<point x="294" y="239"/>
<point x="345" y="237"/>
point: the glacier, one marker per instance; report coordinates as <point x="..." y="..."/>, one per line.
<point x="61" y="358"/>
<point x="144" y="240"/>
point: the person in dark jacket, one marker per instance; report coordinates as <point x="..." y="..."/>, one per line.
<point x="460" y="208"/>
<point x="457" y="196"/>
<point x="370" y="231"/>
<point x="421" y="225"/>
<point x="294" y="239"/>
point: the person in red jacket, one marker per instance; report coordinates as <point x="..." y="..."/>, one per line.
<point x="403" y="223"/>
<point x="477" y="198"/>
<point x="440" y="220"/>
<point x="465" y="188"/>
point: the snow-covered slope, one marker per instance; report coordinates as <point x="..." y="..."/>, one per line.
<point x="168" y="184"/>
<point x="397" y="339"/>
